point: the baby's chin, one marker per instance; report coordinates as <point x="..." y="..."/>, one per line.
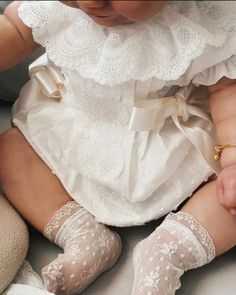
<point x="111" y="21"/>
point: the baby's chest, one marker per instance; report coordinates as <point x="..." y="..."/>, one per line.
<point x="111" y="103"/>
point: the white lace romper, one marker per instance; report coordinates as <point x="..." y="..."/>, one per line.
<point x="129" y="138"/>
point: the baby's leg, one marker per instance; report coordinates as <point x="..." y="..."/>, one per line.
<point x="89" y="247"/>
<point x="185" y="240"/>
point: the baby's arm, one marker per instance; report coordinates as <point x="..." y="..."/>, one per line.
<point x="223" y="111"/>
<point x="16" y="41"/>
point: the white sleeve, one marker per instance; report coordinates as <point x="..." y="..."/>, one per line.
<point x="210" y="76"/>
<point x="44" y="17"/>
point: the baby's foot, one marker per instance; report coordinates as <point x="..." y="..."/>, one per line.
<point x="90" y="248"/>
<point x="226" y="188"/>
<point x="178" y="244"/>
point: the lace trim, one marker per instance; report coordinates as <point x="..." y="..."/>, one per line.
<point x="55" y="222"/>
<point x="170" y="40"/>
<point x="199" y="231"/>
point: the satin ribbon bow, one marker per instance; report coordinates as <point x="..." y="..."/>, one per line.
<point x="50" y="80"/>
<point x="46" y="83"/>
<point x="151" y="114"/>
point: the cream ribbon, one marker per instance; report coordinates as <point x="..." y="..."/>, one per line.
<point x="46" y="83"/>
<point x="151" y="114"/>
<point x="50" y="79"/>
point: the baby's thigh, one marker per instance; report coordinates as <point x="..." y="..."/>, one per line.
<point x="14" y="149"/>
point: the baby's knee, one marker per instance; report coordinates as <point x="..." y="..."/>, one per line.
<point x="11" y="146"/>
<point x="14" y="242"/>
<point x="9" y="138"/>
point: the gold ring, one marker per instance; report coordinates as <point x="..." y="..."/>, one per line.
<point x="219" y="148"/>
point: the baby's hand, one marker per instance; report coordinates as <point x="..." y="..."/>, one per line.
<point x="226" y="188"/>
<point x="222" y="102"/>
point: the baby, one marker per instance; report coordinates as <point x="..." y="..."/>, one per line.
<point x="115" y="117"/>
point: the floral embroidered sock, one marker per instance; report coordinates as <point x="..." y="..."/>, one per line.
<point x="90" y="248"/>
<point x="180" y="243"/>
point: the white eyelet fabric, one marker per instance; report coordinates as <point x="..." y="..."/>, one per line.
<point x="120" y="176"/>
<point x="162" y="47"/>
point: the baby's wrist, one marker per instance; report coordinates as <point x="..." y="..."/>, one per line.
<point x="228" y="157"/>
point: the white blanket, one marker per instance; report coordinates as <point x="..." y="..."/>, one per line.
<point x="26" y="282"/>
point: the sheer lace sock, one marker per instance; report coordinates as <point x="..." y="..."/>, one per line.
<point x="90" y="248"/>
<point x="180" y="243"/>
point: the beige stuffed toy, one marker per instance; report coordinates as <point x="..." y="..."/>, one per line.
<point x="13" y="243"/>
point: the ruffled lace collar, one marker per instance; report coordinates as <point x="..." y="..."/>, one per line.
<point x="162" y="47"/>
